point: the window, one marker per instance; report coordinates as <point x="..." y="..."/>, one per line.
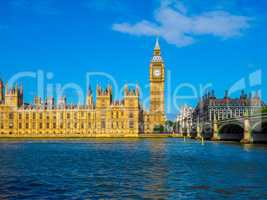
<point x="103" y="113"/>
<point x="131" y="124"/>
<point x="103" y="124"/>
<point x="131" y="115"/>
<point x="11" y="116"/>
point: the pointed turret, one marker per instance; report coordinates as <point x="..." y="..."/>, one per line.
<point x="16" y="88"/>
<point x="89" y="92"/>
<point x="157" y="44"/>
<point x="1" y="91"/>
<point x="98" y="90"/>
<point x="20" y="94"/>
<point x="157" y="53"/>
<point x="157" y="48"/>
<point x="137" y="89"/>
<point x="21" y="89"/>
<point x="37" y="101"/>
<point x="89" y="100"/>
<point x="6" y="90"/>
<point x="125" y="89"/>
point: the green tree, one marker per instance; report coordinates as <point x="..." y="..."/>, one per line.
<point x="158" y="128"/>
<point x="264" y="110"/>
<point x="169" y="126"/>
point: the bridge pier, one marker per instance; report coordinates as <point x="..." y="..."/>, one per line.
<point x="247" y="136"/>
<point x="187" y="130"/>
<point x="180" y="130"/>
<point x="215" y="134"/>
<point x="199" y="135"/>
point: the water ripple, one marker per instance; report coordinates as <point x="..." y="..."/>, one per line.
<point x="131" y="169"/>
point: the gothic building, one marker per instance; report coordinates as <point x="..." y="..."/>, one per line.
<point x="156" y="114"/>
<point x="211" y="108"/>
<point x="184" y="121"/>
<point x="104" y="118"/>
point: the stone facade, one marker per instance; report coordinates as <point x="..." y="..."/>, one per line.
<point x="211" y="108"/>
<point x="184" y="120"/>
<point x="104" y="118"/>
<point x="156" y="115"/>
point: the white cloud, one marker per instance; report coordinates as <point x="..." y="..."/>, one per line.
<point x="177" y="27"/>
<point x="140" y="28"/>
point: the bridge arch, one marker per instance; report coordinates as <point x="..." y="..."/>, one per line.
<point x="259" y="131"/>
<point x="207" y="131"/>
<point x="231" y="131"/>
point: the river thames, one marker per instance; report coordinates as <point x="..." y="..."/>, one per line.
<point x="131" y="169"/>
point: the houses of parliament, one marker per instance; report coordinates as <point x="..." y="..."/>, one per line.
<point x="104" y="118"/>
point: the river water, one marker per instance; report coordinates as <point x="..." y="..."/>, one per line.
<point x="131" y="169"/>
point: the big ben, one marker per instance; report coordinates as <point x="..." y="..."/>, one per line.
<point x="157" y="78"/>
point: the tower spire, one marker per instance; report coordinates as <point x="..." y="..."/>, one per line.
<point x="157" y="48"/>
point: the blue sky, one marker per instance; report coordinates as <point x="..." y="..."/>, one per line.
<point x="217" y="42"/>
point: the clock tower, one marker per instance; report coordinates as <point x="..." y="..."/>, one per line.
<point x="157" y="77"/>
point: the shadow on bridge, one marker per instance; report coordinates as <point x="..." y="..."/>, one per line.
<point x="207" y="131"/>
<point x="246" y="129"/>
<point x="259" y="132"/>
<point x="231" y="132"/>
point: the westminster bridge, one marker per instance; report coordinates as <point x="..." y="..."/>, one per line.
<point x="246" y="129"/>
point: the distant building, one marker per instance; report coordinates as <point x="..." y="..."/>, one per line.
<point x="184" y="120"/>
<point x="211" y="108"/>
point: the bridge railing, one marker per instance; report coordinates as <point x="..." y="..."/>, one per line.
<point x="241" y="118"/>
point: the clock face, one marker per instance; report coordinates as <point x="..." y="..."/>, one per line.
<point x="157" y="72"/>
